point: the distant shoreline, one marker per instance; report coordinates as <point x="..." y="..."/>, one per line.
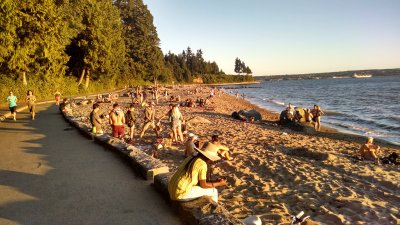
<point x="237" y="83"/>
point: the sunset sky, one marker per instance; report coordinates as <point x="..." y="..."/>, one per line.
<point x="283" y="37"/>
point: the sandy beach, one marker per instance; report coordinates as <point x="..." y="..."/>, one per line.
<point x="277" y="172"/>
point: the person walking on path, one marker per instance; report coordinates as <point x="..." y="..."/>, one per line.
<point x="117" y="120"/>
<point x="149" y="118"/>
<point x="57" y="96"/>
<point x="31" y="101"/>
<point x="12" y="104"/>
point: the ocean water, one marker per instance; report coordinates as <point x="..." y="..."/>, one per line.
<point x="367" y="106"/>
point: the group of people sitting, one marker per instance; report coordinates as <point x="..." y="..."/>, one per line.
<point x="298" y="114"/>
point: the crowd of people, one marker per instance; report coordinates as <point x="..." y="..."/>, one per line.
<point x="192" y="179"/>
<point x="298" y="114"/>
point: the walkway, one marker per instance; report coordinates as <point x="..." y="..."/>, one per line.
<point x="50" y="174"/>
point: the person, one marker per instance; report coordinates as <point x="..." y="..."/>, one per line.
<point x="190" y="146"/>
<point x="222" y="150"/>
<point x="12" y="104"/>
<point x="290" y="111"/>
<point x="31" y="101"/>
<point x="117" y="120"/>
<point x="316" y="117"/>
<point x="149" y="118"/>
<point x="190" y="180"/>
<point x="57" y="96"/>
<point x="370" y="151"/>
<point x="308" y="115"/>
<point x="130" y="121"/>
<point x="95" y="119"/>
<point x="176" y="122"/>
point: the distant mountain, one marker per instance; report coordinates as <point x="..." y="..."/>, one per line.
<point x="340" y="74"/>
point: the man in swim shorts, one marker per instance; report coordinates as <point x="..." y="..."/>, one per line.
<point x="117" y="121"/>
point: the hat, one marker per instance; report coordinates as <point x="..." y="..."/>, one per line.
<point x="210" y="151"/>
<point x="193" y="135"/>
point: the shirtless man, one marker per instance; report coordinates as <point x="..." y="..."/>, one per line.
<point x="370" y="150"/>
<point x="149" y="119"/>
<point x="117" y="120"/>
<point x="222" y="150"/>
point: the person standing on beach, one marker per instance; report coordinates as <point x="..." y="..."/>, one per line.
<point x="12" y="104"/>
<point x="57" y="96"/>
<point x="117" y="121"/>
<point x="149" y="118"/>
<point x="316" y="117"/>
<point x="190" y="180"/>
<point x="95" y="119"/>
<point x="176" y="119"/>
<point x="130" y="121"/>
<point x="31" y="101"/>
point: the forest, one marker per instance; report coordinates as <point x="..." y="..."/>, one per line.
<point x="86" y="46"/>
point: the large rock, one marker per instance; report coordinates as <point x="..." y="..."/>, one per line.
<point x="148" y="166"/>
<point x="251" y="113"/>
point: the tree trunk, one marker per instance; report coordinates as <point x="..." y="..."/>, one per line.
<point x="82" y="75"/>
<point x="24" y="79"/>
<point x="87" y="79"/>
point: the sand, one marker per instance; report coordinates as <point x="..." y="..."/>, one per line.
<point x="277" y="172"/>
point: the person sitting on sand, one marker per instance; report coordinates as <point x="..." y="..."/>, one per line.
<point x="190" y="146"/>
<point x="190" y="180"/>
<point x="370" y="151"/>
<point x="221" y="149"/>
<point x="95" y="119"/>
<point x="117" y="121"/>
<point x="290" y="111"/>
<point x="149" y="119"/>
<point x="316" y="117"/>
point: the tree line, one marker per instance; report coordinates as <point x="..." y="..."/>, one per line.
<point x="77" y="46"/>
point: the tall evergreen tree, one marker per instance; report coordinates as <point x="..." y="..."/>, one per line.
<point x="238" y="66"/>
<point x="98" y="50"/>
<point x="144" y="56"/>
<point x="32" y="40"/>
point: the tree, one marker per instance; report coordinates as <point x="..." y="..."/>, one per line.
<point x="238" y="66"/>
<point x="248" y="71"/>
<point x="33" y="38"/>
<point x="98" y="50"/>
<point x="143" y="53"/>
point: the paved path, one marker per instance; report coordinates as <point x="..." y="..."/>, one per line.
<point x="50" y="174"/>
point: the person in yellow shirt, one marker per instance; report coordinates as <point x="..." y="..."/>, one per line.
<point x="190" y="180"/>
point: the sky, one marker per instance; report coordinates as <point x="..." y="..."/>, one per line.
<point x="283" y="36"/>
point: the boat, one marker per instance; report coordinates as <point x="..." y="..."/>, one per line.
<point x="362" y="75"/>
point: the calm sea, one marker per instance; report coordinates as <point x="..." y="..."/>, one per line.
<point x="364" y="106"/>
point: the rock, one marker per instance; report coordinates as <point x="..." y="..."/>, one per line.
<point x="148" y="166"/>
<point x="305" y="152"/>
<point x="251" y="113"/>
<point x="199" y="119"/>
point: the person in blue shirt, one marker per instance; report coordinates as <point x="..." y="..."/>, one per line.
<point x="12" y="104"/>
